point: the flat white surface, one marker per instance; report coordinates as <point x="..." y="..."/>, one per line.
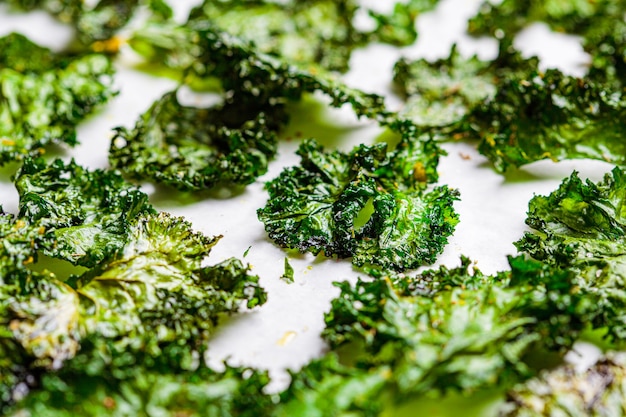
<point x="284" y="333"/>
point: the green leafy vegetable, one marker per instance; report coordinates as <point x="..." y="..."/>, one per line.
<point x="581" y="227"/>
<point x="196" y="148"/>
<point x="147" y="298"/>
<point x="455" y="328"/>
<point x="550" y="115"/>
<point x="315" y="207"/>
<point x="238" y="138"/>
<point x="42" y="99"/>
<point x="443" y="92"/>
<point x="595" y="392"/>
<point x="288" y="274"/>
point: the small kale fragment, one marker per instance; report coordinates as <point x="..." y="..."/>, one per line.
<point x="288" y="274"/>
<point x="195" y="148"/>
<point x="150" y="391"/>
<point x="581" y="227"/>
<point x="598" y="391"/>
<point x="43" y="99"/>
<point x="316" y="206"/>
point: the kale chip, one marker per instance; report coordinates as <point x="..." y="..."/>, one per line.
<point x="43" y="98"/>
<point x="317" y="205"/>
<point x="145" y="298"/>
<point x="581" y="227"/>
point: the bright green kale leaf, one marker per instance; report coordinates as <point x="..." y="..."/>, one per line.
<point x="42" y="101"/>
<point x="398" y="27"/>
<point x="581" y="227"/>
<point x="150" y="392"/>
<point x="595" y="392"/>
<point x="454" y="329"/>
<point x="316" y="206"/>
<point x="83" y="216"/>
<point x="238" y="139"/>
<point x="147" y="299"/>
<point x="553" y="116"/>
<point x="196" y="148"/>
<point x="325" y="387"/>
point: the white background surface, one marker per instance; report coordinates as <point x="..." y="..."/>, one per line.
<point x="284" y="333"/>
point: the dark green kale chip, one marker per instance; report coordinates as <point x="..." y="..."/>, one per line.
<point x="442" y="93"/>
<point x="455" y="329"/>
<point x="507" y="18"/>
<point x="44" y="98"/>
<point x="305" y="33"/>
<point x="311" y="33"/>
<point x="550" y="115"/>
<point x="83" y="217"/>
<point x="581" y="227"/>
<point x="197" y="148"/>
<point x="600" y="24"/>
<point x="147" y="298"/>
<point x="317" y="206"/>
<point x="598" y="391"/>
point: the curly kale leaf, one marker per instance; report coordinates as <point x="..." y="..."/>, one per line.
<point x="149" y="391"/>
<point x="146" y="299"/>
<point x="600" y="24"/>
<point x="443" y="92"/>
<point x="550" y="115"/>
<point x="316" y="206"/>
<point x="325" y="387"/>
<point x="43" y="101"/>
<point x="598" y="391"/>
<point x="82" y="216"/>
<point x="198" y="48"/>
<point x="196" y="148"/>
<point x="581" y="227"/>
<point x="454" y="329"/>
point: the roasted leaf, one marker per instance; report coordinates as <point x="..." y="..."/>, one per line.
<point x="581" y="227"/>
<point x="150" y="392"/>
<point x="82" y="216"/>
<point x="454" y="329"/>
<point x="550" y="115"/>
<point x="316" y="206"/>
<point x="196" y="148"/>
<point x="42" y="101"/>
<point x="198" y="48"/>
